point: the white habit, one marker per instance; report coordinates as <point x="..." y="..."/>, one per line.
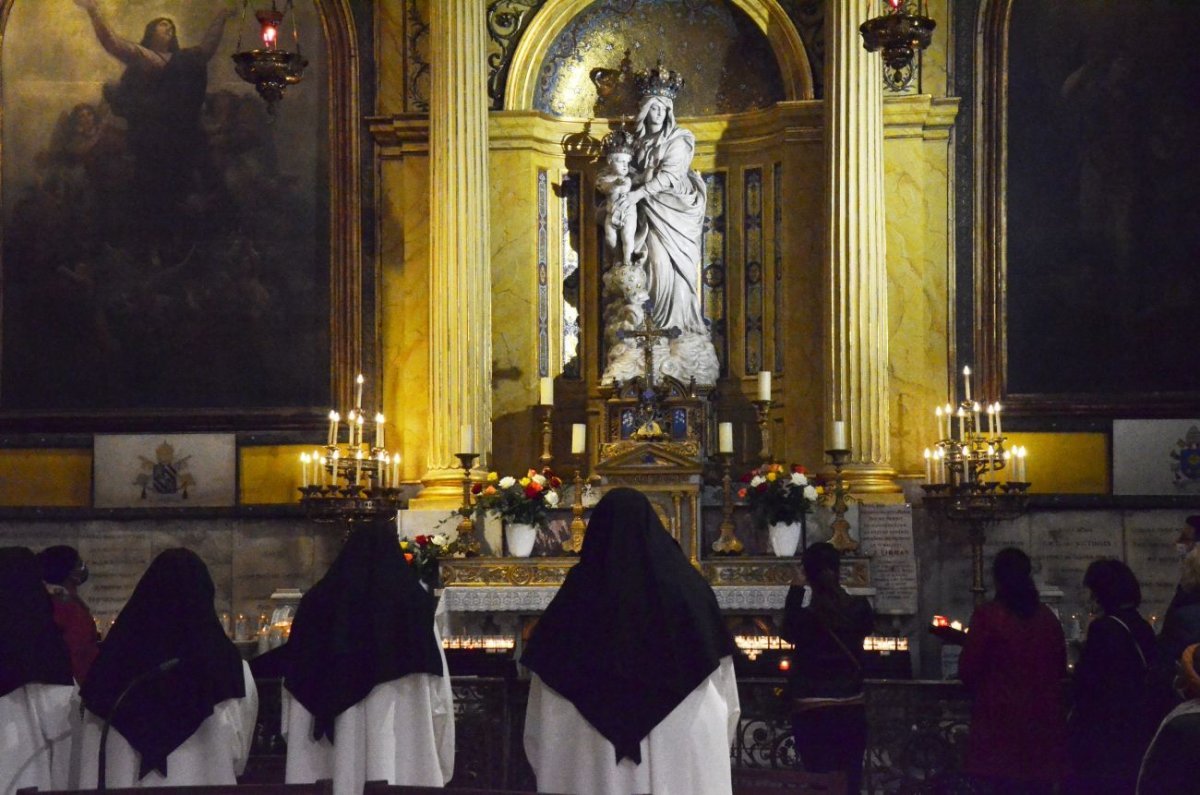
<point x="402" y="733"/>
<point x="35" y="737"/>
<point x="687" y="753"/>
<point x="216" y="753"/>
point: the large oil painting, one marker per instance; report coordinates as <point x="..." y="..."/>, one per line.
<point x="1103" y="226"/>
<point x="165" y="239"/>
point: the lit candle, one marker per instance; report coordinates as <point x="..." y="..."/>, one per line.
<point x="999" y="427"/>
<point x="304" y="470"/>
<point x="764" y="384"/>
<point x="940" y="434"/>
<point x="991" y="412"/>
<point x="333" y="473"/>
<point x="725" y="437"/>
<point x="322" y="473"/>
<point x="962" y="415"/>
<point x="991" y="459"/>
<point x="967" y="382"/>
<point x="379" y="431"/>
<point x="467" y="438"/>
<point x="1007" y="458"/>
<point x="359" y="422"/>
<point x="547" y="391"/>
<point x="839" y="435"/>
<point x="358" y="385"/>
<point x="334" y="418"/>
<point x="976" y="428"/>
<point x="578" y="438"/>
<point x="928" y="466"/>
<point x="1023" y="463"/>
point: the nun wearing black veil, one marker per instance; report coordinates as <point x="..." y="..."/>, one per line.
<point x="182" y="723"/>
<point x="366" y="689"/>
<point x="633" y="687"/>
<point x="36" y="687"/>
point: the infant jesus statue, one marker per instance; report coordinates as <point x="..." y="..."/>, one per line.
<point x="614" y="181"/>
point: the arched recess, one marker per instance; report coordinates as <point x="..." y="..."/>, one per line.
<point x="544" y="28"/>
<point x="342" y="167"/>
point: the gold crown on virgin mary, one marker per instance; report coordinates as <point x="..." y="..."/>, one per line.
<point x="617" y="142"/>
<point x="658" y="82"/>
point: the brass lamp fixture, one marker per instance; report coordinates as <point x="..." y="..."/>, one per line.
<point x="271" y="69"/>
<point x="899" y="35"/>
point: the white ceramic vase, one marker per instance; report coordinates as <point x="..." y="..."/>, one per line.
<point x="785" y="537"/>
<point x="520" y="538"/>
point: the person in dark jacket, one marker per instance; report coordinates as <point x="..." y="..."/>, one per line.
<point x="1172" y="765"/>
<point x="1180" y="629"/>
<point x="63" y="572"/>
<point x="1014" y="663"/>
<point x="1112" y="718"/>
<point x="827" y="625"/>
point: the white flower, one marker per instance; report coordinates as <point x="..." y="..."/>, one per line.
<point x="551" y="498"/>
<point x="810" y="493"/>
<point x="538" y="479"/>
<point x="799" y="480"/>
<point x="440" y="540"/>
<point x="757" y="481"/>
<point x="506" y="482"/>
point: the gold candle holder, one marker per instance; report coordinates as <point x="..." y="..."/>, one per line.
<point x="728" y="543"/>
<point x="467" y="542"/>
<point x="841" y="539"/>
<point x="578" y="526"/>
<point x="547" y="436"/>
<point x="762" y="409"/>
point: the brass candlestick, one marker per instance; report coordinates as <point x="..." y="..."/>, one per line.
<point x="467" y="542"/>
<point x="841" y="539"/>
<point x="728" y="543"/>
<point x="547" y="436"/>
<point x="763" y="411"/>
<point x="578" y="526"/>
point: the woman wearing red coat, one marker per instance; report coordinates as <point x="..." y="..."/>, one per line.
<point x="1014" y="663"/>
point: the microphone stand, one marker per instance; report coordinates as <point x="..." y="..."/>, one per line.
<point x="153" y="673"/>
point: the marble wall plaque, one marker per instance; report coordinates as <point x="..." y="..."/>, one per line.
<point x="1150" y="552"/>
<point x="1064" y="544"/>
<point x="887" y="538"/>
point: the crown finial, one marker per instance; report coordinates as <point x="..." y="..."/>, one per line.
<point x="618" y="142"/>
<point x="658" y="82"/>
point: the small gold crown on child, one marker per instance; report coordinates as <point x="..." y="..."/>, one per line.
<point x="618" y="142"/>
<point x="658" y="82"/>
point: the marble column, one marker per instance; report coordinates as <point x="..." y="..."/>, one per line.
<point x="460" y="276"/>
<point x="856" y="353"/>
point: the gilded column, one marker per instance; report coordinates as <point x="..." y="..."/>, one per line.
<point x="856" y="357"/>
<point x="460" y="275"/>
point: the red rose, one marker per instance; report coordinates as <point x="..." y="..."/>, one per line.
<point x="476" y="488"/>
<point x="741" y="494"/>
<point x="532" y="490"/>
<point x="799" y="469"/>
<point x="555" y="482"/>
<point x="761" y="487"/>
<point x="422" y="541"/>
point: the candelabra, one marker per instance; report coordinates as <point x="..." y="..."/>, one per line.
<point x="728" y="543"/>
<point x="963" y="475"/>
<point x="762" y="408"/>
<point x="351" y="482"/>
<point x="467" y="542"/>
<point x="841" y="539"/>
<point x="578" y="526"/>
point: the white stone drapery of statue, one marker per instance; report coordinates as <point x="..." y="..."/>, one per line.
<point x="670" y="199"/>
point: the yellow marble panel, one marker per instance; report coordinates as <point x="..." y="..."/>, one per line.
<point x="390" y="46"/>
<point x="46" y="478"/>
<point x="270" y="475"/>
<point x="1066" y="463"/>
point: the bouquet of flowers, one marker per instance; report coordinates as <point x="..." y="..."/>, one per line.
<point x="778" y="494"/>
<point x="422" y="553"/>
<point x="519" y="501"/>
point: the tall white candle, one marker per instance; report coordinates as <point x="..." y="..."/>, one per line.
<point x="334" y="419"/>
<point x="999" y="425"/>
<point x="467" y="439"/>
<point x="725" y="437"/>
<point x="764" y="384"/>
<point x="359" y="421"/>
<point x="379" y="430"/>
<point x="967" y="382"/>
<point x="928" y="466"/>
<point x="839" y="435"/>
<point x="991" y="412"/>
<point x="304" y="469"/>
<point x="546" y="389"/>
<point x="940" y="434"/>
<point x="578" y="438"/>
<point x="977" y="427"/>
<point x="962" y="418"/>
<point x="358" y="387"/>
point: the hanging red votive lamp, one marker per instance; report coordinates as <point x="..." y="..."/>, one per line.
<point x="271" y="69"/>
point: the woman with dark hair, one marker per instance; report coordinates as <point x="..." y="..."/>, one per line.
<point x="63" y="572"/>
<point x="36" y="688"/>
<point x="1014" y="663"/>
<point x="181" y="702"/>
<point x="827" y="625"/>
<point x="366" y="689"/>
<point x="1112" y="718"/>
<point x="633" y="687"/>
